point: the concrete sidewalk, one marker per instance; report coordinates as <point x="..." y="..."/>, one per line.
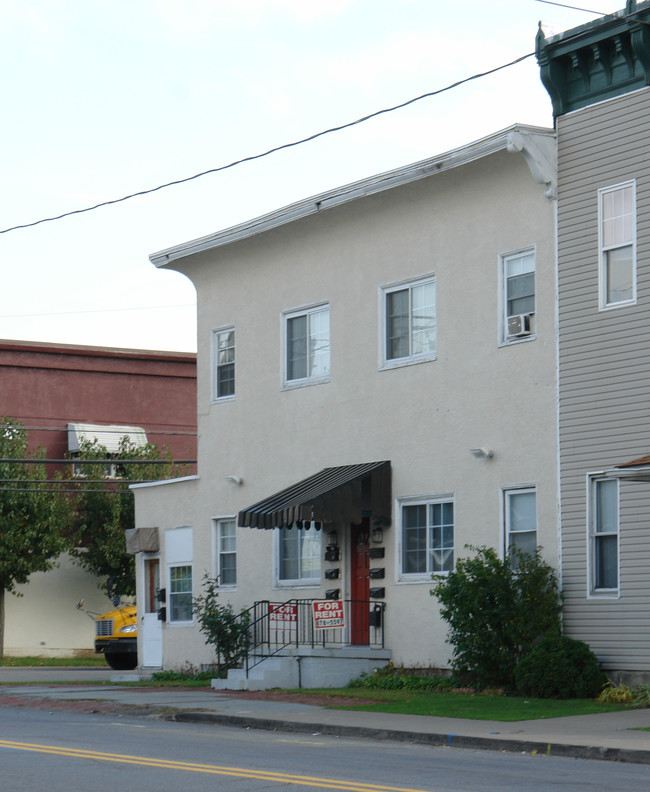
<point x="615" y="736"/>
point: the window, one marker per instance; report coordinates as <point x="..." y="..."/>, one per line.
<point x="427" y="537"/>
<point x="224" y="364"/>
<point x="226" y="552"/>
<point x="518" y="298"/>
<point x="410" y="322"/>
<point x="307" y="347"/>
<point x="604" y="535"/>
<point x="617" y="241"/>
<point x="299" y="555"/>
<point x="521" y="520"/>
<point x="180" y="593"/>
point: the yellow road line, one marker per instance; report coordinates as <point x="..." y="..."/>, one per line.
<point x="168" y="764"/>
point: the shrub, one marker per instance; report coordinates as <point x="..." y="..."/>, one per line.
<point x="391" y="678"/>
<point x="497" y="609"/>
<point x="222" y="627"/>
<point x="560" y="667"/>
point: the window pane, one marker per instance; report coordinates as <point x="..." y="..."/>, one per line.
<point x="228" y="569"/>
<point x="619" y="274"/>
<point x="521" y="294"/>
<point x="423" y="312"/>
<point x="180" y="597"/>
<point x="227" y="539"/>
<point x="310" y="554"/>
<point x="414" y="539"/>
<point x="397" y="324"/>
<point x="319" y="343"/>
<point x="524" y="541"/>
<point x="618" y="218"/>
<point x="523" y="516"/>
<point x="606" y="507"/>
<point x="225" y="363"/>
<point x="289" y="554"/>
<point x="297" y="347"/>
<point x="606" y="562"/>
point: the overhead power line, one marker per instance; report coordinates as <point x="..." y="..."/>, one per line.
<point x="273" y="150"/>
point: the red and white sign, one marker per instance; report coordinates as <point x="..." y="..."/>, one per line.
<point x="282" y="613"/>
<point x="328" y="614"/>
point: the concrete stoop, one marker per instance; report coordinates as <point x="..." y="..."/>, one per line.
<point x="306" y="668"/>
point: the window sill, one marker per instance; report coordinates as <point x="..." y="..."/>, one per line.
<point x="304" y="383"/>
<point x="407" y="361"/>
<point x="222" y="399"/>
<point x="514" y="341"/>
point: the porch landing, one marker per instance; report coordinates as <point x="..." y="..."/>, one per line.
<point x="306" y="667"/>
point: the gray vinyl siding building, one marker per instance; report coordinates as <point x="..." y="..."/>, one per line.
<point x="604" y="335"/>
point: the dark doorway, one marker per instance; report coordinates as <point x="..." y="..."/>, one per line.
<point x="360" y="582"/>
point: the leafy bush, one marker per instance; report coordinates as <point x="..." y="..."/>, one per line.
<point x="560" y="667"/>
<point x="391" y="678"/>
<point x="622" y="694"/>
<point x="497" y="609"/>
<point x="222" y="627"/>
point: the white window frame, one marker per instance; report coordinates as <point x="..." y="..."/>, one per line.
<point x="604" y="249"/>
<point x="504" y="260"/>
<point x="386" y="362"/>
<point x="427" y="501"/>
<point x="216" y="333"/>
<point x="301" y="581"/>
<point x="308" y="312"/>
<point x="170" y="593"/>
<point x="508" y="494"/>
<point x="593" y="481"/>
<point x="220" y="524"/>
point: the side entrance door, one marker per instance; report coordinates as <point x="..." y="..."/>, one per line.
<point x="151" y="625"/>
<point x="360" y="582"/>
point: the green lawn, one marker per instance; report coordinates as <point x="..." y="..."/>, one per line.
<point x="28" y="662"/>
<point x="467" y="705"/>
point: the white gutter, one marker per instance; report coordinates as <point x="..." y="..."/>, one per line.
<point x="537" y="144"/>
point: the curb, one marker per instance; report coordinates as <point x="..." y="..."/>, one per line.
<point x="437" y="740"/>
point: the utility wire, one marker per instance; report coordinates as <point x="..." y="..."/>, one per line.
<point x="273" y="150"/>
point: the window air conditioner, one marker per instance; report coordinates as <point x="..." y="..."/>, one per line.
<point x="519" y="326"/>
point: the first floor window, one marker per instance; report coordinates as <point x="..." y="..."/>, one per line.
<point x="224" y="351"/>
<point x="604" y="534"/>
<point x="299" y="555"/>
<point x="410" y="321"/>
<point x="180" y="593"/>
<point x="227" y="552"/>
<point x="521" y="520"/>
<point x="427" y="537"/>
<point x="308" y="345"/>
<point x="617" y="237"/>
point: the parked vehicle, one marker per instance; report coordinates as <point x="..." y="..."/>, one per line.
<point x="116" y="635"/>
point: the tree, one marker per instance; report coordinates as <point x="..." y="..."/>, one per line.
<point x="32" y="518"/>
<point x="497" y="609"/>
<point x="105" y="508"/>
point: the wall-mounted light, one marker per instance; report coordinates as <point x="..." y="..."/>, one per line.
<point x="377" y="535"/>
<point x="482" y="453"/>
<point x="332" y="538"/>
<point x="235" y="480"/>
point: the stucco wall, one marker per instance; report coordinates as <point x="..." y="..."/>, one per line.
<point x="424" y="418"/>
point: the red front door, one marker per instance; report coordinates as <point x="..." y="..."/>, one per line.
<point x="360" y="582"/>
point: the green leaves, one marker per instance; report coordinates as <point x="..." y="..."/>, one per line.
<point x="223" y="629"/>
<point x="497" y="609"/>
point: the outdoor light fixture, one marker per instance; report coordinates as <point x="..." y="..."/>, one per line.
<point x="235" y="480"/>
<point x="482" y="453"/>
<point x="332" y="538"/>
<point x="377" y="535"/>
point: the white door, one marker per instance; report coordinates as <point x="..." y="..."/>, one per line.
<point x="151" y="625"/>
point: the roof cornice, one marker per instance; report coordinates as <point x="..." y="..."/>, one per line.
<point x="537" y="144"/>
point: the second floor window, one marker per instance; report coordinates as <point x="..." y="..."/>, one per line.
<point x="617" y="238"/>
<point x="410" y="322"/>
<point x="307" y="350"/>
<point x="224" y="365"/>
<point x="518" y="295"/>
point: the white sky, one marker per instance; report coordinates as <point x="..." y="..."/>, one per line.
<point x="104" y="99"/>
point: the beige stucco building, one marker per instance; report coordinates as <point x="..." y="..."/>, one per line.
<point x="400" y="331"/>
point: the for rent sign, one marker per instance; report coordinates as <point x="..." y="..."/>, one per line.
<point x="328" y="614"/>
<point x="282" y="614"/>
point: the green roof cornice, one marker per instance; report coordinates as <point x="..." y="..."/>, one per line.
<point x="605" y="58"/>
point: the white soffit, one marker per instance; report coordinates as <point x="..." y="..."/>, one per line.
<point x="107" y="436"/>
<point x="537" y="144"/>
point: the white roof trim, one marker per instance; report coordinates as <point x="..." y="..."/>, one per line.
<point x="163" y="482"/>
<point x="536" y="143"/>
<point x="107" y="436"/>
<point x="641" y="473"/>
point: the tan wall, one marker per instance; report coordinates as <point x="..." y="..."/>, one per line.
<point x="423" y="418"/>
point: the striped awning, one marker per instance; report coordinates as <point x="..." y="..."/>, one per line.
<point x="342" y="494"/>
